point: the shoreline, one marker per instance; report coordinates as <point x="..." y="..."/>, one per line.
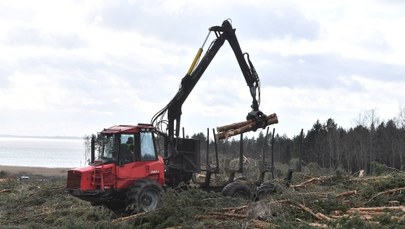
<point x="33" y="170"/>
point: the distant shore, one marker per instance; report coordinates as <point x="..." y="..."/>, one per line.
<point x="45" y="137"/>
<point x="28" y="170"/>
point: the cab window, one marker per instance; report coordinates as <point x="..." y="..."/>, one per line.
<point x="107" y="148"/>
<point x="127" y="152"/>
<point x="148" y="152"/>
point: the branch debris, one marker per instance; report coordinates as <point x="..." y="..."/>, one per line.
<point x="391" y="191"/>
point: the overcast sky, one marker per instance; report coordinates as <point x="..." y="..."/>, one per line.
<point x="76" y="67"/>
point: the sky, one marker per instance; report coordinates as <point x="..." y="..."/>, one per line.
<point x="72" y="68"/>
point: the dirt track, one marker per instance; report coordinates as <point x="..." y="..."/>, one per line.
<point x="26" y="170"/>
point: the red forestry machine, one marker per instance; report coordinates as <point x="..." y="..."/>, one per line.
<point x="126" y="169"/>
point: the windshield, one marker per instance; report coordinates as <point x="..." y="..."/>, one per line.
<point x="106" y="148"/>
<point x="147" y="147"/>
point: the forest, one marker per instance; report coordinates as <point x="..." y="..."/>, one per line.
<point x="367" y="146"/>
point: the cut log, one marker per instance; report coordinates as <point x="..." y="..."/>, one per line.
<point x="245" y="126"/>
<point x="238" y="125"/>
<point x="305" y="183"/>
<point x="233" y="126"/>
<point x="377" y="209"/>
<point x="318" y="215"/>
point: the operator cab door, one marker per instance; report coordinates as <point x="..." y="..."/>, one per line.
<point x="133" y="164"/>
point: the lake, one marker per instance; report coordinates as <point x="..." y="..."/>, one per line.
<point x="42" y="152"/>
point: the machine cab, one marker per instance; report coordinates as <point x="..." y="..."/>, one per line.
<point x="120" y="156"/>
<point x="124" y="144"/>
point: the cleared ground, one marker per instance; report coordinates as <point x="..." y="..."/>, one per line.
<point x="334" y="200"/>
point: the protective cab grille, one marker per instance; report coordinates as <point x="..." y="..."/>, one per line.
<point x="73" y="180"/>
<point x="189" y="154"/>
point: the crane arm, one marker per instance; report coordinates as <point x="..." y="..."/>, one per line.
<point x="173" y="108"/>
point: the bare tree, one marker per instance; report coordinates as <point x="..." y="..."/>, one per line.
<point x="400" y="123"/>
<point x="400" y="119"/>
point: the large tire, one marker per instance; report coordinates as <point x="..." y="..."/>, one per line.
<point x="238" y="189"/>
<point x="143" y="195"/>
<point x="267" y="189"/>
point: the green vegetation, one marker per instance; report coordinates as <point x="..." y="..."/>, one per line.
<point x="336" y="200"/>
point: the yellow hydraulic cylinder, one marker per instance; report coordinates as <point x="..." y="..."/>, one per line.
<point x="196" y="58"/>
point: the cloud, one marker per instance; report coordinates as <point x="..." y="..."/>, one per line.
<point x="121" y="61"/>
<point x="276" y="23"/>
<point x="14" y="14"/>
<point x="185" y="24"/>
<point x="326" y="71"/>
<point x="33" y="37"/>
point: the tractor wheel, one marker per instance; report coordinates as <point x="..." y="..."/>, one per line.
<point x="238" y="189"/>
<point x="143" y="196"/>
<point x="266" y="190"/>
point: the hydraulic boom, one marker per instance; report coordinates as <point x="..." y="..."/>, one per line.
<point x="196" y="70"/>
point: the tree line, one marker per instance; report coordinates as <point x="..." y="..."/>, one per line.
<point x="369" y="143"/>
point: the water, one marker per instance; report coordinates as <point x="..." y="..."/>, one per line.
<point x="42" y="152"/>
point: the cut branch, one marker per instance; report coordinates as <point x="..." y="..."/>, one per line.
<point x="348" y="193"/>
<point x="5" y="190"/>
<point x="305" y="183"/>
<point x="131" y="217"/>
<point x="391" y="191"/>
<point x="220" y="215"/>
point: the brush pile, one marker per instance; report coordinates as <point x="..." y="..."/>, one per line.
<point x="334" y="201"/>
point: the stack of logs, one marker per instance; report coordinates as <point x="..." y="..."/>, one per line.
<point x="242" y="127"/>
